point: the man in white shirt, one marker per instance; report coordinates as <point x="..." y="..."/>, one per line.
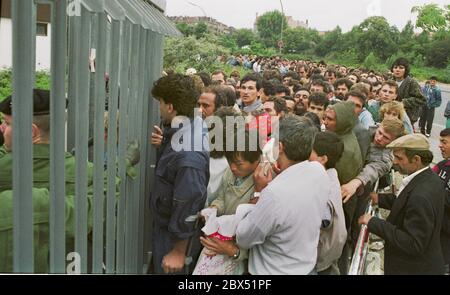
<point x="282" y="231"/>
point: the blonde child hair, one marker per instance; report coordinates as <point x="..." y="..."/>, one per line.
<point x="393" y="107"/>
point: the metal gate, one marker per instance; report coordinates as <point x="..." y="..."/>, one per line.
<point x="123" y="38"/>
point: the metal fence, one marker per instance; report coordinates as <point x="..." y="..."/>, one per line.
<point x="89" y="38"/>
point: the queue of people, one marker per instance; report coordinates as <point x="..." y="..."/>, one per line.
<point x="344" y="135"/>
<point x="306" y="145"/>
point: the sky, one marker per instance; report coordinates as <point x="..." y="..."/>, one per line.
<point x="323" y="15"/>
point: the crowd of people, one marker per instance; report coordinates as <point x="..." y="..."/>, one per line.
<point x="327" y="136"/>
<point x="339" y="133"/>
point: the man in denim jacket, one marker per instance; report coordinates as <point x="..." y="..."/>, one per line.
<point x="434" y="100"/>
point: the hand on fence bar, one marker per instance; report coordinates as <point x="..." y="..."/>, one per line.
<point x="157" y="136"/>
<point x="374" y="198"/>
<point x="133" y="154"/>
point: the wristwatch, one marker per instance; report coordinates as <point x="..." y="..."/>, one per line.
<point x="236" y="255"/>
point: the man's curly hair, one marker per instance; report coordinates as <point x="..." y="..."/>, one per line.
<point x="180" y="91"/>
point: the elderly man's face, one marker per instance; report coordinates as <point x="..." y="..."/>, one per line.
<point x="403" y="164"/>
<point x="207" y="104"/>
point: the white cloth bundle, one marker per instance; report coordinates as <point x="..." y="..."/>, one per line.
<point x="224" y="228"/>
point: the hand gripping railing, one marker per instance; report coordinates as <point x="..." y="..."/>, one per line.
<point x="357" y="264"/>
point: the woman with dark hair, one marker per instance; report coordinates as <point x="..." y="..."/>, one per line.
<point x="408" y="89"/>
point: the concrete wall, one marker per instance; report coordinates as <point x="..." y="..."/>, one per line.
<point x="43" y="46"/>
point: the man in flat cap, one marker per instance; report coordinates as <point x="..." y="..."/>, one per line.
<point x="412" y="229"/>
<point x="41" y="146"/>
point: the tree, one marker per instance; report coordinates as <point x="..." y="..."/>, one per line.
<point x="375" y="35"/>
<point x="201" y="54"/>
<point x="227" y="41"/>
<point x="200" y="30"/>
<point x="432" y="18"/>
<point x="185" y="29"/>
<point x="438" y="53"/>
<point x="243" y="37"/>
<point x="329" y="42"/>
<point x="269" y="27"/>
<point x="300" y="39"/>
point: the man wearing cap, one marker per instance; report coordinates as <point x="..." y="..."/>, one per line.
<point x="41" y="146"/>
<point x="412" y="229"/>
<point x="41" y="183"/>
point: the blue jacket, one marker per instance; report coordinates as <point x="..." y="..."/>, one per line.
<point x="433" y="96"/>
<point x="179" y="190"/>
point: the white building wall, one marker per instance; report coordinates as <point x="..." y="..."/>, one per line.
<point x="43" y="47"/>
<point x="5" y="43"/>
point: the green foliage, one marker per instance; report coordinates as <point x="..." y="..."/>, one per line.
<point x="201" y="54"/>
<point x="42" y="82"/>
<point x="432" y="18"/>
<point x="185" y="28"/>
<point x="371" y="61"/>
<point x="300" y="39"/>
<point x="269" y="27"/>
<point x="227" y="41"/>
<point x="348" y="58"/>
<point x="201" y="30"/>
<point x="375" y="35"/>
<point x="424" y="73"/>
<point x="329" y="42"/>
<point x="438" y="53"/>
<point x="244" y="37"/>
<point x="5" y="83"/>
<point x="258" y="48"/>
<point x="373" y="44"/>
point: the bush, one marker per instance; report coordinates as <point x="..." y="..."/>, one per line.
<point x="189" y="52"/>
<point x="437" y="53"/>
<point x="42" y="82"/>
<point x="5" y="83"/>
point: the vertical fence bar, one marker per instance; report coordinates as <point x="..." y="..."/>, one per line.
<point x="112" y="148"/>
<point x="57" y="138"/>
<point x="99" y="143"/>
<point x="81" y="139"/>
<point x="74" y="48"/>
<point x="153" y="119"/>
<point x="145" y="135"/>
<point x="92" y="75"/>
<point x="24" y="31"/>
<point x="144" y="138"/>
<point x="123" y="137"/>
<point x="130" y="241"/>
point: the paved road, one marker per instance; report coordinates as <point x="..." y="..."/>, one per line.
<point x="439" y="123"/>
